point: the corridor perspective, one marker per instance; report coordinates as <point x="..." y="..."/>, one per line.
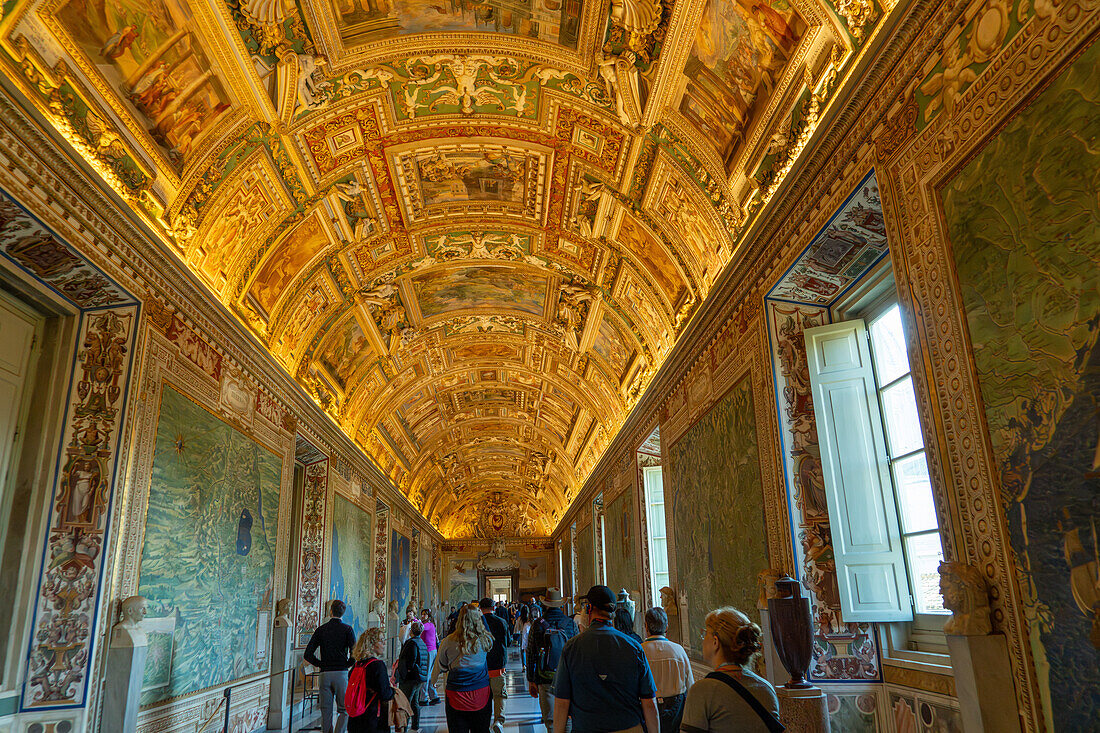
<point x="778" y="319"/>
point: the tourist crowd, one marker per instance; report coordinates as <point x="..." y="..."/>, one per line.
<point x="591" y="672"/>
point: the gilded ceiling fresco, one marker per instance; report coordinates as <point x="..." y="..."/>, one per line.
<point x="471" y="229"/>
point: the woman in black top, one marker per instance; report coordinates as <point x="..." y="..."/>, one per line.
<point x="368" y="656"/>
<point x="624" y="622"/>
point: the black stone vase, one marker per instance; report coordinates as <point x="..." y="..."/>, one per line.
<point x="792" y="630"/>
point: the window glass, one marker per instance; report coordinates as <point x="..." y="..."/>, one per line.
<point x="925" y="554"/>
<point x="658" y="544"/>
<point x="899" y="410"/>
<point x="891" y="361"/>
<point x="918" y="512"/>
<point x="908" y="461"/>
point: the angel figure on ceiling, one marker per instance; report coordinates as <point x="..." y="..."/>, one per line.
<point x="623" y="86"/>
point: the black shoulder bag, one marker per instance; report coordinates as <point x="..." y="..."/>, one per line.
<point x="766" y="715"/>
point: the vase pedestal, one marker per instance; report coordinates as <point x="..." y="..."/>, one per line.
<point x="803" y="710"/>
<point x="773" y="666"/>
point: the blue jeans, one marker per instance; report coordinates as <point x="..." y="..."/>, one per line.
<point x="428" y="693"/>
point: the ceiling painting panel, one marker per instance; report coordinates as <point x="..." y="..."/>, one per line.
<point x="363" y="21"/>
<point x="473" y="229"/>
<point x="473" y="288"/>
<point x="739" y="52"/>
<point x="612" y="347"/>
<point x="651" y="255"/>
<point x="254" y="202"/>
<point x="487" y="352"/>
<point x="283" y="264"/>
<point x="470" y="178"/>
<point x="344" y="351"/>
<point x="152" y="54"/>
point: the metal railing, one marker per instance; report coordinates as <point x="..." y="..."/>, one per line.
<point x="227" y="698"/>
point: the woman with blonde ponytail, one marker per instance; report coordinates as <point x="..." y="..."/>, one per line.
<point x="469" y="700"/>
<point x="733" y="697"/>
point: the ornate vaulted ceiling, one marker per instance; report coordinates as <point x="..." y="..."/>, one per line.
<point x="471" y="229"/>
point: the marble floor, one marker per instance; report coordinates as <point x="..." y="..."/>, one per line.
<point x="521" y="710"/>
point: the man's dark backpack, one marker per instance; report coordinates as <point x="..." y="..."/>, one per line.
<point x="547" y="642"/>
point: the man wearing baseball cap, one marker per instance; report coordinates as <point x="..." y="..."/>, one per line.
<point x="603" y="681"/>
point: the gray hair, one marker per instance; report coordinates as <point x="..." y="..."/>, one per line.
<point x="656" y="621"/>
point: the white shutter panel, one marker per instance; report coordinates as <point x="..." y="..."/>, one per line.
<point x="867" y="546"/>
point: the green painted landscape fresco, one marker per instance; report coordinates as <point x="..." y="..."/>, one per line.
<point x="717" y="509"/>
<point x="351" y="576"/>
<point x="1024" y="222"/>
<point x="622" y="556"/>
<point x="586" y="559"/>
<point x="208" y="561"/>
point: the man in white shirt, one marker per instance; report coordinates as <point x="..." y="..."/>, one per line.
<point x="671" y="670"/>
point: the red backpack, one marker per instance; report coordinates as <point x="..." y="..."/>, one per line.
<point x="358" y="697"/>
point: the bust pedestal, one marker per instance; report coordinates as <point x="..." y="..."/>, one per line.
<point x="983" y="681"/>
<point x="122" y="679"/>
<point x="803" y="710"/>
<point x="278" y="694"/>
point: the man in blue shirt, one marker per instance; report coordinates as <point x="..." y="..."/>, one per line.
<point x="603" y="681"/>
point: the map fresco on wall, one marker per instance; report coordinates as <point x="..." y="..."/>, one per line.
<point x="741" y="47"/>
<point x="717" y="511"/>
<point x="148" y="50"/>
<point x="586" y="559"/>
<point x="352" y="576"/>
<point x="208" y="560"/>
<point x="1025" y="234"/>
<point x="622" y="555"/>
<point x="400" y="571"/>
<point x="461" y="580"/>
<point x="361" y="21"/>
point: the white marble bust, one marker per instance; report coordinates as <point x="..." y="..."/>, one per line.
<point x="282" y="613"/>
<point x="130" y="631"/>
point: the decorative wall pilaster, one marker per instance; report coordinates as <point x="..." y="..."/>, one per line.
<point x="311" y="554"/>
<point x="59" y="663"/>
<point x="69" y="597"/>
<point x="381" y="555"/>
<point x="599" y="539"/>
<point x="414" y="570"/>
